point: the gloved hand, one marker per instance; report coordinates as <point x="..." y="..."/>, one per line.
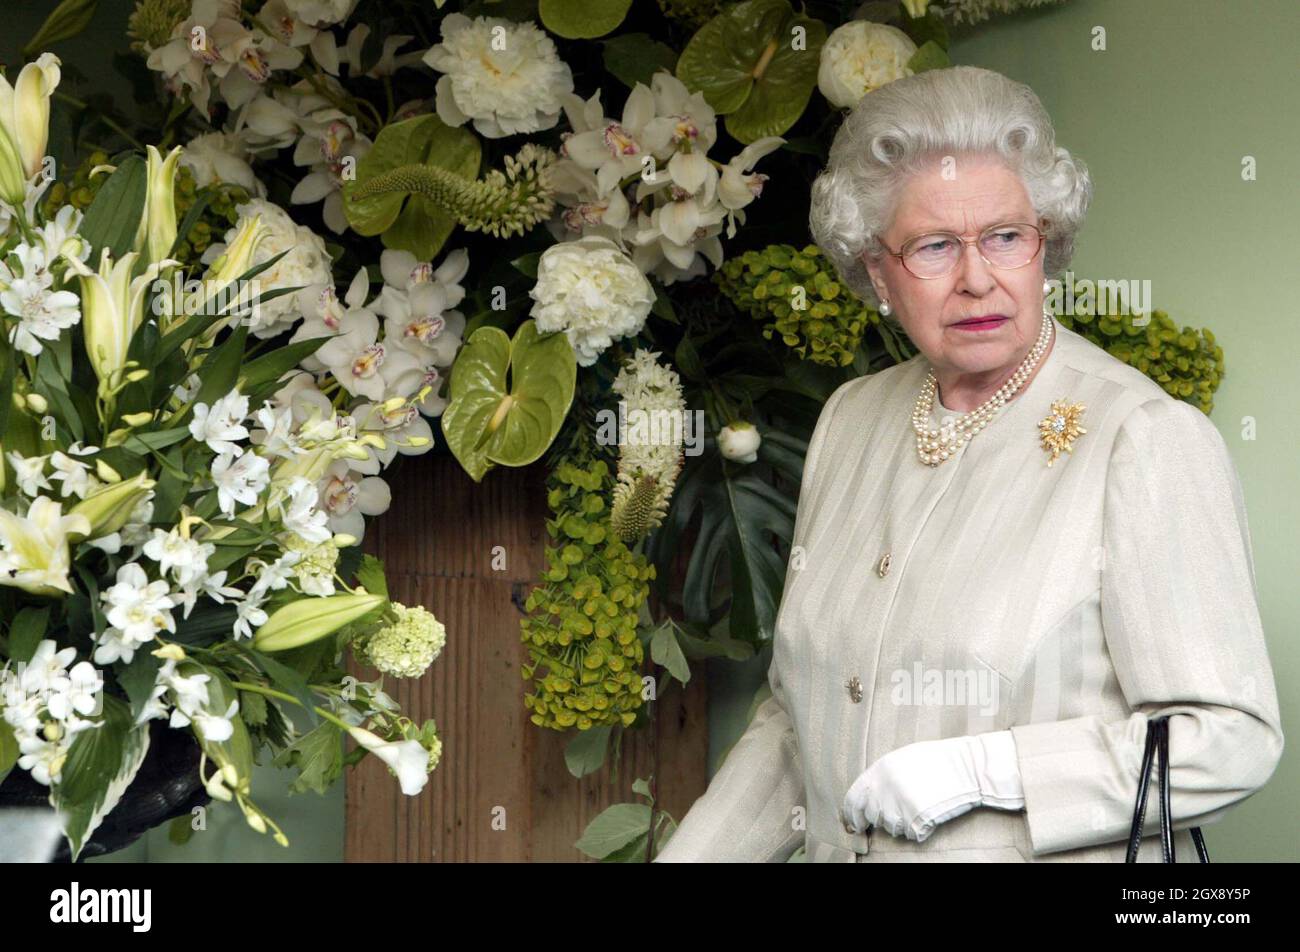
<point x="909" y="791"/>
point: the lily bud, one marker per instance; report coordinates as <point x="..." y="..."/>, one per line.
<point x="137" y="419"/>
<point x="309" y="619"/>
<point x="37" y="403"/>
<point x="107" y="473"/>
<point x="25" y="125"/>
<point x="256" y="822"/>
<point x="108" y="508"/>
<point x="157" y="232"/>
<point x="170" y="652"/>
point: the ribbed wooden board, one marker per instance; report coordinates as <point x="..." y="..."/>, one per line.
<point x="437" y="545"/>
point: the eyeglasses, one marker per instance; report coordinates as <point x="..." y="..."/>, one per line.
<point x="1009" y="245"/>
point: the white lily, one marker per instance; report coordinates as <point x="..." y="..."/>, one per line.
<point x="25" y="125"/>
<point x="405" y="758"/>
<point x="35" y="554"/>
<point x="112" y="305"/>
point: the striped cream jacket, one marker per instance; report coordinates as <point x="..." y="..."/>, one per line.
<point x="1066" y="603"/>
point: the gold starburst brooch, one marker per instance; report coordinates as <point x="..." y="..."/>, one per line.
<point x="1060" y="430"/>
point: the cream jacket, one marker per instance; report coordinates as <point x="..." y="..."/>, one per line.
<point x="1067" y="603"/>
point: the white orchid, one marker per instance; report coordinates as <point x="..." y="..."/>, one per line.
<point x="73" y="475"/>
<point x="299" y="513"/>
<point x="29" y="473"/>
<point x="221" y="424"/>
<point x="184" y="557"/>
<point x="396" y="425"/>
<point x="348" y="499"/>
<point x="332" y="150"/>
<point x="136" y="607"/>
<point x="239" y="479"/>
<point x="216" y="158"/>
<point x="34" y="553"/>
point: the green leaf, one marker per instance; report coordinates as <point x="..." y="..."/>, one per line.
<point x="8" y="748"/>
<point x="582" y="19"/>
<point x="615" y="828"/>
<point x="318" y="755"/>
<point x="642" y="786"/>
<point x="285" y="678"/>
<point x="586" y="752"/>
<point x="370" y="576"/>
<point x="138" y="679"/>
<point x="66" y="20"/>
<point x="665" y="651"/>
<point x="635" y="57"/>
<point x="740" y="515"/>
<point x="26" y="632"/>
<point x="488" y="421"/>
<point x="220" y="370"/>
<point x="101" y="764"/>
<point x="746" y="63"/>
<point x="269" y="368"/>
<point x="113" y="217"/>
<point x="930" y="56"/>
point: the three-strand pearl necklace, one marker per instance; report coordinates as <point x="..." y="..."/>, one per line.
<point x="935" y="446"/>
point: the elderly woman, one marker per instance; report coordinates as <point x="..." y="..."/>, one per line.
<point x="1015" y="548"/>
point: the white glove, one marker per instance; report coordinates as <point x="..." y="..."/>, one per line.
<point x="909" y="791"/>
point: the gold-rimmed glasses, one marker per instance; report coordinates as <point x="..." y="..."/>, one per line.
<point x="1008" y="246"/>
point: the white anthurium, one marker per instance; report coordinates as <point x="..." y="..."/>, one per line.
<point x="739" y="441"/>
<point x="112" y="306"/>
<point x="34" y="551"/>
<point x="25" y="125"/>
<point x="407" y="759"/>
<point x="157" y="230"/>
<point x="348" y="497"/>
<point x="396" y="424"/>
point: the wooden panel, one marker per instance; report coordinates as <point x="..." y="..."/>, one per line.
<point x="437" y="542"/>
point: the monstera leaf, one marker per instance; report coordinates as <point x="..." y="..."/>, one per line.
<point x="405" y="221"/>
<point x="740" y="517"/>
<point x="490" y="420"/>
<point x="757" y="64"/>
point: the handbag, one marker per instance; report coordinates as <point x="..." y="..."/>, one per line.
<point x="1158" y="736"/>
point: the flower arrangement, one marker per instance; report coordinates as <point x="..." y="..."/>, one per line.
<point x="524" y="222"/>
<point x="181" y="497"/>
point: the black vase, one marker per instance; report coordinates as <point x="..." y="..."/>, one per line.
<point x="166" y="786"/>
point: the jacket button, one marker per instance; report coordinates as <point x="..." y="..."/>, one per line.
<point x="854" y="685"/>
<point x="882" y="568"/>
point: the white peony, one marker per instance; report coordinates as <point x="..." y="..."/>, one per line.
<point x="504" y="76"/>
<point x="590" y="290"/>
<point x="861" y="56"/>
<point x="307" y="262"/>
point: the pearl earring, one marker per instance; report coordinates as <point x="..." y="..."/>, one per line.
<point x="885" y="309"/>
<point x="1047" y="287"/>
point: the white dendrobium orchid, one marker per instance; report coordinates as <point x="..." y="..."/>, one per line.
<point x="29" y="472"/>
<point x="221" y="424"/>
<point x="138" y="608"/>
<point x="407" y="759"/>
<point x="516" y="84"/>
<point x="74" y="475"/>
<point x="34" y="553"/>
<point x="185" y="558"/>
<point x="25" y="125"/>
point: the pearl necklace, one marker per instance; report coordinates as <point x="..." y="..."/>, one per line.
<point x="935" y="446"/>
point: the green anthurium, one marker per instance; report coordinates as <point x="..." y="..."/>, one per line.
<point x="410" y="222"/>
<point x="582" y="19"/>
<point x="756" y="63"/>
<point x="508" y="397"/>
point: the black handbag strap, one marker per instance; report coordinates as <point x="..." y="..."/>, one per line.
<point x="1157" y="740"/>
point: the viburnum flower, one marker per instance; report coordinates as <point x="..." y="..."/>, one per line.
<point x="516" y="85"/>
<point x="406" y="646"/>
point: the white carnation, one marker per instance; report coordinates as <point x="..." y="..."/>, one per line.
<point x="515" y="85"/>
<point x="861" y="56"/>
<point x="593" y="292"/>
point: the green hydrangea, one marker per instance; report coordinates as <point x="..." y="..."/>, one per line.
<point x="407" y="646"/>
<point x="799" y="296"/>
<point x="1187" y="363"/>
<point x="581" y="626"/>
